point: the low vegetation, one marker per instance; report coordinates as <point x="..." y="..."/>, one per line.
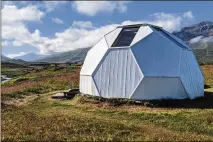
<point x="29" y="113"/>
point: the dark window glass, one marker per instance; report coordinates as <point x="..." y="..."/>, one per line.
<point x="125" y="37"/>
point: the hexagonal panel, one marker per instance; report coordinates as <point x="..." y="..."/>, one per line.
<point x="159" y="88"/>
<point x="157" y="56"/>
<point x="118" y="74"/>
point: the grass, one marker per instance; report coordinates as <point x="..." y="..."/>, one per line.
<point x="29" y="113"/>
<point x="45" y="119"/>
<point x="208" y="73"/>
<point x="14" y="72"/>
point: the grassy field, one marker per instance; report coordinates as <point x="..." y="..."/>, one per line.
<point x="29" y="113"/>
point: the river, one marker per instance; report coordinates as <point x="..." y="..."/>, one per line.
<point x="5" y="78"/>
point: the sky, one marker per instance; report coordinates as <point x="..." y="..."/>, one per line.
<point x="51" y="26"/>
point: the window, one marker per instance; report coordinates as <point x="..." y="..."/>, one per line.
<point x="125" y="37"/>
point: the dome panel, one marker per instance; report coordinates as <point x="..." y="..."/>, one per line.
<point x="157" y="56"/>
<point x="177" y="39"/>
<point x="118" y="74"/>
<point x="87" y="85"/>
<point x="159" y="88"/>
<point x="94" y="56"/>
<point x="191" y="75"/>
<point x="142" y="33"/>
<point x="110" y="37"/>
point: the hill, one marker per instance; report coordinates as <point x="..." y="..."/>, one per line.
<point x="200" y="38"/>
<point x="204" y="28"/>
<point x="71" y="56"/>
<point x="30" y="57"/>
<point x="5" y="59"/>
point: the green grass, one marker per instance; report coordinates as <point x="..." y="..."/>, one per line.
<point x="29" y="113"/>
<point x="71" y="68"/>
<point x="14" y="72"/>
<point x="44" y="119"/>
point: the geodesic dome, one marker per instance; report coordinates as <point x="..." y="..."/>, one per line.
<point x="141" y="62"/>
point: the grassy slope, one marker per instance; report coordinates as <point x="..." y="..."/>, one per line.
<point x="38" y="117"/>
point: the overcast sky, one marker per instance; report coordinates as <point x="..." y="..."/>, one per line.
<point x="48" y="27"/>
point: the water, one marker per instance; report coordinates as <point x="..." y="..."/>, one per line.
<point x="6" y="78"/>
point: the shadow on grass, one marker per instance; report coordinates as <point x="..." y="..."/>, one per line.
<point x="202" y="102"/>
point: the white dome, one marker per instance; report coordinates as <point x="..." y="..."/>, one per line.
<point x="141" y="62"/>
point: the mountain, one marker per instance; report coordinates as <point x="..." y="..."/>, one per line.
<point x="204" y="29"/>
<point x="200" y="38"/>
<point x="30" y="57"/>
<point x="70" y="56"/>
<point x="5" y="59"/>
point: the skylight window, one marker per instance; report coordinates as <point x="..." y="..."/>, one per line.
<point x="125" y="37"/>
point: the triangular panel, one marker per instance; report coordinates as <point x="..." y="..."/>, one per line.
<point x="94" y="56"/>
<point x="157" y="56"/>
<point x="142" y="33"/>
<point x="110" y="37"/>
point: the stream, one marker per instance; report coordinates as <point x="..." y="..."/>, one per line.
<point x="6" y="79"/>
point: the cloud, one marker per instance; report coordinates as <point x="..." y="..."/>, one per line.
<point x="57" y="21"/>
<point x="201" y="42"/>
<point x="201" y="39"/>
<point x="188" y="15"/>
<point x="6" y="3"/>
<point x="5" y="43"/>
<point x="170" y="22"/>
<point x="11" y="14"/>
<point x="82" y="24"/>
<point x="80" y="34"/>
<point x="16" y="55"/>
<point x="52" y="5"/>
<point x="91" y="8"/>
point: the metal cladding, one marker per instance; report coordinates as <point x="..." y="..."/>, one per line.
<point x="141" y="62"/>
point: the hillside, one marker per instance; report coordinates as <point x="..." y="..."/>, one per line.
<point x="30" y="57"/>
<point x="204" y="28"/>
<point x="200" y="38"/>
<point x="5" y="59"/>
<point x="71" y="56"/>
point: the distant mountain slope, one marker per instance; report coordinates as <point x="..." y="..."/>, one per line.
<point x="70" y="56"/>
<point x="200" y="38"/>
<point x="30" y="57"/>
<point x="204" y="28"/>
<point x="5" y="59"/>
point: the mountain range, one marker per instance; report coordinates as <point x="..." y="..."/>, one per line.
<point x="198" y="36"/>
<point x="30" y="57"/>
